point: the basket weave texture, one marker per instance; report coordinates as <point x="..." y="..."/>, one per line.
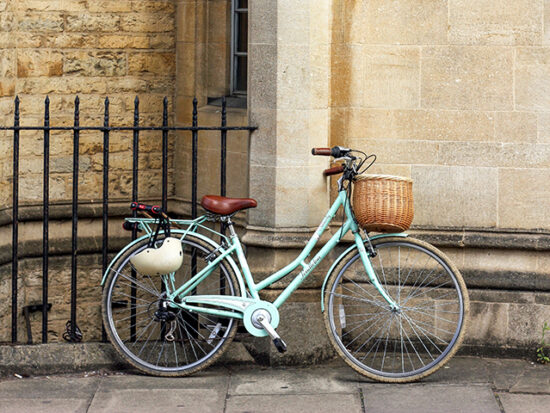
<point x="383" y="203"/>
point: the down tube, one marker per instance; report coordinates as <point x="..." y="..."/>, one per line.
<point x="335" y="239"/>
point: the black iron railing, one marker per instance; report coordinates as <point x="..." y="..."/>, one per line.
<point x="72" y="333"/>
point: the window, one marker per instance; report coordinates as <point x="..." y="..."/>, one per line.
<point x="239" y="47"/>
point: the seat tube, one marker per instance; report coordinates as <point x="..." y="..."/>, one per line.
<point x="370" y="271"/>
<point x="242" y="260"/>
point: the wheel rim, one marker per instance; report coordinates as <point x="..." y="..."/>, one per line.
<point x="197" y="337"/>
<point x="404" y="343"/>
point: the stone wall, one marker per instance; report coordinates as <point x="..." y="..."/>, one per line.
<point x="455" y="94"/>
<point x="93" y="49"/>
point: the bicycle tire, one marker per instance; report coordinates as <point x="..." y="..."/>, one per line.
<point x="391" y="346"/>
<point x="199" y="339"/>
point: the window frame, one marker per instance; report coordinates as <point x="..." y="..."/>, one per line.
<point x="235" y="54"/>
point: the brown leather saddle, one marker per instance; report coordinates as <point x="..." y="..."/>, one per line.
<point x="222" y="205"/>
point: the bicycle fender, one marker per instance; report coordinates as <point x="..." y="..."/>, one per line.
<point x="341" y="257"/>
<point x="181" y="232"/>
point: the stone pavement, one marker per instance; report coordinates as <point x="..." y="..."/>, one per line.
<point x="466" y="384"/>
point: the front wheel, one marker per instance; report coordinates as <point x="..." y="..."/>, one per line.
<point x="404" y="344"/>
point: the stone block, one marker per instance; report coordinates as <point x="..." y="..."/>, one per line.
<point x="39" y="63"/>
<point x="532" y="79"/>
<point x="219" y="22"/>
<point x="147" y="22"/>
<point x="546" y="23"/>
<point x="488" y="154"/>
<point x="217" y="75"/>
<point x="391" y="77"/>
<point x="521" y="192"/>
<point x="51" y="5"/>
<point x="141" y="6"/>
<point x="93" y="63"/>
<point x="436" y="125"/>
<point x="471" y="78"/>
<point x="262" y="182"/>
<point x="526" y="321"/>
<point x="7" y="40"/>
<point x="7" y="87"/>
<point x="294" y="23"/>
<point x="110" y="6"/>
<point x="402" y="22"/>
<point x="152" y="63"/>
<point x="347" y="76"/>
<point x="447" y="196"/>
<point x="399" y="151"/>
<point x="87" y="22"/>
<point x="185" y="22"/>
<point x="41" y="22"/>
<point x="262" y="77"/>
<point x="515" y="127"/>
<point x="162" y="41"/>
<point x="120" y="41"/>
<point x="262" y="22"/>
<point x="495" y="22"/>
<point x="7" y="63"/>
<point x="543" y="127"/>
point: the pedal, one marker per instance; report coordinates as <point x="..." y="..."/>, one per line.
<point x="280" y="345"/>
<point x="277" y="340"/>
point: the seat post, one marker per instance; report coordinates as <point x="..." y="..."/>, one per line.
<point x="229" y="224"/>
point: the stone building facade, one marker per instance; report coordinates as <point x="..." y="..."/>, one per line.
<point x="453" y="93"/>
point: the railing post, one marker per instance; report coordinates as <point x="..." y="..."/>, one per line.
<point x="45" y="219"/>
<point x="135" y="146"/>
<point x="74" y="245"/>
<point x="105" y="239"/>
<point x="165" y="154"/>
<point x="223" y="144"/>
<point x="195" y="134"/>
<point x="15" y="221"/>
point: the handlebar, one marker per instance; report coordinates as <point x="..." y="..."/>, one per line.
<point x="152" y="209"/>
<point x="335" y="170"/>
<point x="335" y="152"/>
<point x="321" y="151"/>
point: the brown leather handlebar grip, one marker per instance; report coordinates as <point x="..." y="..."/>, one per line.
<point x="321" y="151"/>
<point x="335" y="170"/>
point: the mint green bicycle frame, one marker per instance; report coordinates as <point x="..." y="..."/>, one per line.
<point x="234" y="246"/>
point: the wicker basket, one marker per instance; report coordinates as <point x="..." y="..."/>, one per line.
<point x="383" y="203"/>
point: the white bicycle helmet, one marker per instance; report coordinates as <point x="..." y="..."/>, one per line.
<point x="163" y="260"/>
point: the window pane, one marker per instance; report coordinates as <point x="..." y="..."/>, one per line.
<point x="240" y="72"/>
<point x="242" y="4"/>
<point x="242" y="33"/>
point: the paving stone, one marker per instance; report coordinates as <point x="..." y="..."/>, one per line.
<point x="535" y="379"/>
<point x="44" y="406"/>
<point x="294" y="381"/>
<point x="504" y="373"/>
<point x="54" y="387"/>
<point x="148" y="400"/>
<point x="318" y="403"/>
<point x="522" y="403"/>
<point x="427" y="399"/>
<point x="461" y="370"/>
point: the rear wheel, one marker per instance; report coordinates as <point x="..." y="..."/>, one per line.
<point x="397" y="345"/>
<point x="155" y="337"/>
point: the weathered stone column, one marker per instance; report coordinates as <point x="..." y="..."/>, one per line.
<point x="289" y="64"/>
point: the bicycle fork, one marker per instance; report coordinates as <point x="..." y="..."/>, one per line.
<point x="373" y="278"/>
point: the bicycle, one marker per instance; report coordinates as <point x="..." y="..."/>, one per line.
<point x="395" y="308"/>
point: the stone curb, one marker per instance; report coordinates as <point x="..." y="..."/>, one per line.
<point x="55" y="358"/>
